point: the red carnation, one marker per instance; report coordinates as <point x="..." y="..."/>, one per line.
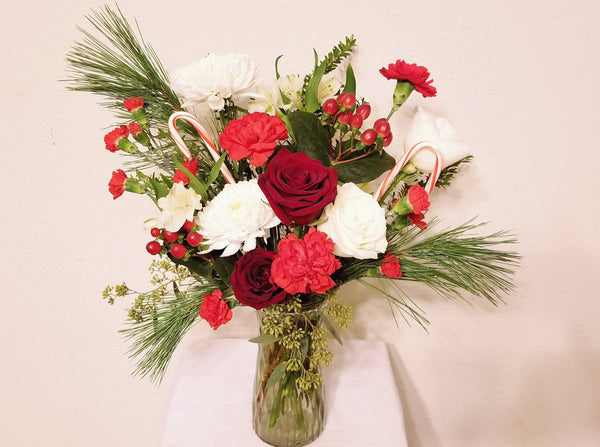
<point x="116" y="185"/>
<point x="418" y="198"/>
<point x="135" y="129"/>
<point x="215" y="310"/>
<point x="134" y="103"/>
<point x="112" y="138"/>
<point x="181" y="176"/>
<point x="305" y="265"/>
<point x="390" y="266"/>
<point x="254" y="136"/>
<point x="413" y="73"/>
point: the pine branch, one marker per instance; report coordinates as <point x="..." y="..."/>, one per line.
<point x="154" y="340"/>
<point x="339" y="52"/>
<point x="120" y="67"/>
<point x="449" y="172"/>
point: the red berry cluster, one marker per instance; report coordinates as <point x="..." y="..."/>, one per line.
<point x="343" y="110"/>
<point x="178" y="243"/>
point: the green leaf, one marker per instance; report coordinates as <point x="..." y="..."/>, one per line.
<point x="276" y="375"/>
<point x="330" y="328"/>
<point x="312" y="89"/>
<point x="365" y="169"/>
<point x="264" y="339"/>
<point x="350" y="86"/>
<point x="159" y="188"/>
<point x="214" y="172"/>
<point x="311" y="137"/>
<point x="224" y="268"/>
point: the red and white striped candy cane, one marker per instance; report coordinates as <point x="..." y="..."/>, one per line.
<point x="212" y="149"/>
<point x="402" y="162"/>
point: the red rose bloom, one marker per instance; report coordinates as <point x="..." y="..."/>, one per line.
<point x="116" y="185"/>
<point x="391" y="266"/>
<point x="214" y="310"/>
<point x="254" y="136"/>
<point x="413" y="73"/>
<point x="298" y="187"/>
<point x="111" y="139"/>
<point x="134" y="103"/>
<point x="418" y="198"/>
<point x="251" y="280"/>
<point x="181" y="176"/>
<point x="305" y="265"/>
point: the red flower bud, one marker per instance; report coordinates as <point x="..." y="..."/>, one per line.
<point x="135" y="129"/>
<point x="368" y="137"/>
<point x="330" y="107"/>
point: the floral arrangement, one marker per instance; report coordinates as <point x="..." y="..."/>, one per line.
<point x="274" y="195"/>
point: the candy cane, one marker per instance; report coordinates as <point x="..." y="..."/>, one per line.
<point x="407" y="156"/>
<point x="212" y="149"/>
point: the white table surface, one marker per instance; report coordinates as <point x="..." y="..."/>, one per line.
<point x="211" y="400"/>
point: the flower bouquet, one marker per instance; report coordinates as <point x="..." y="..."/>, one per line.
<point x="273" y="196"/>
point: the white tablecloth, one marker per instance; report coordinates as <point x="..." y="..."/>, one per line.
<point x="211" y="400"/>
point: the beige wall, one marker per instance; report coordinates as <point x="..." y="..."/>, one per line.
<point x="520" y="80"/>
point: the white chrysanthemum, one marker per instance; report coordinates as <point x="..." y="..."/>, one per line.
<point x="234" y="219"/>
<point x="356" y="223"/>
<point x="178" y="206"/>
<point x="214" y="79"/>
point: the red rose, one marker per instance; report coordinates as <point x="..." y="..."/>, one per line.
<point x="305" y="265"/>
<point x="254" y="136"/>
<point x="298" y="187"/>
<point x="181" y="176"/>
<point x="214" y="310"/>
<point x="134" y="103"/>
<point x="251" y="280"/>
<point x="116" y="185"/>
<point x="413" y="73"/>
<point x="111" y="139"/>
<point x="391" y="266"/>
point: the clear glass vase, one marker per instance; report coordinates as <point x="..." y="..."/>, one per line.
<point x="286" y="412"/>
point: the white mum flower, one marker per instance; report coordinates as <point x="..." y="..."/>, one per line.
<point x="234" y="219"/>
<point x="214" y="79"/>
<point x="356" y="223"/>
<point x="178" y="206"/>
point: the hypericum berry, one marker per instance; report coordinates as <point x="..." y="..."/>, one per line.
<point x="155" y="232"/>
<point x="330" y="107"/>
<point x="194" y="238"/>
<point x="347" y="100"/>
<point x="178" y="251"/>
<point x="382" y="127"/>
<point x="188" y="225"/>
<point x="368" y="137"/>
<point x="170" y="236"/>
<point x="344" y="118"/>
<point x="356" y="121"/>
<point x="153" y="247"/>
<point x="364" y="110"/>
<point x="387" y="140"/>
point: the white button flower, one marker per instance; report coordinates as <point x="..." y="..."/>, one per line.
<point x="178" y="206"/>
<point x="234" y="219"/>
<point x="356" y="223"/>
<point x="437" y="130"/>
<point x="214" y="79"/>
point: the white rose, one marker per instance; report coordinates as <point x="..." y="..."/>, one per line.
<point x="238" y="215"/>
<point x="178" y="206"/>
<point x="437" y="130"/>
<point x="356" y="223"/>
